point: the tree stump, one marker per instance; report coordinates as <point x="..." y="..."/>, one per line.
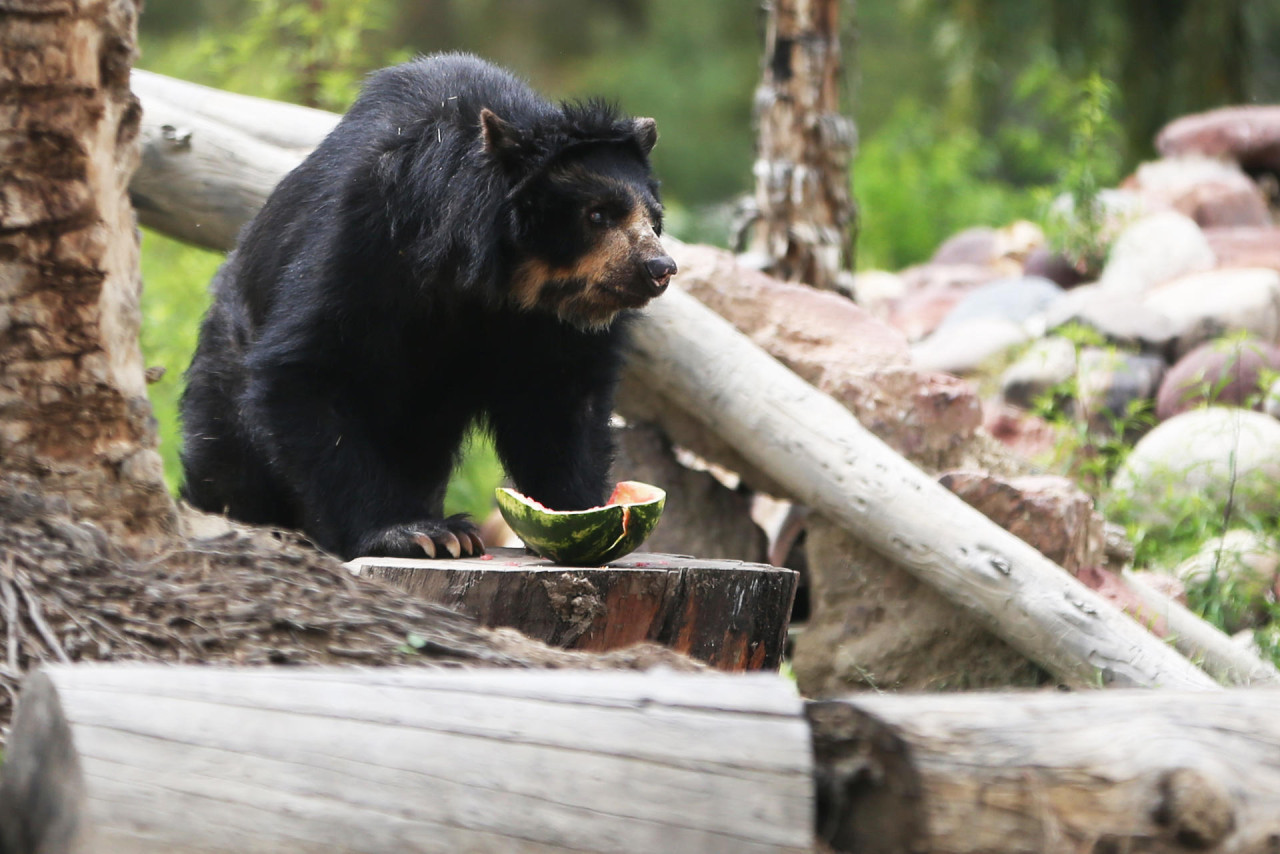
<point x="730" y="614"/>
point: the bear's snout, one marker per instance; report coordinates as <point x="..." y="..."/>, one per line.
<point x="660" y="271"/>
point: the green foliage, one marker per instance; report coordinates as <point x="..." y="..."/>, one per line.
<point x="1080" y="230"/>
<point x="918" y="182"/>
<point x="1091" y="445"/>
<point x="175" y="280"/>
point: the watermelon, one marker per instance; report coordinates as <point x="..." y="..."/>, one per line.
<point x="585" y="537"/>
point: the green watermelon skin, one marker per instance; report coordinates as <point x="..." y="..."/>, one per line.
<point x="582" y="537"/>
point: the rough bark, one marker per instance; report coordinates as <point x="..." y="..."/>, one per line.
<point x="73" y="405"/>
<point x="188" y="759"/>
<point x="1162" y="772"/>
<point x="730" y="614"/>
<point x="804" y="208"/>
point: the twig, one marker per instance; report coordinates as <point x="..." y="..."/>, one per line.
<point x="37" y="619"/>
<point x="11" y="616"/>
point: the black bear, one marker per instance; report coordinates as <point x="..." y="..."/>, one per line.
<point x="459" y="250"/>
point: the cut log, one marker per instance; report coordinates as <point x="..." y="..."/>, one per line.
<point x="820" y="455"/>
<point x="1050" y="772"/>
<point x="202" y="759"/>
<point x="730" y="614"/>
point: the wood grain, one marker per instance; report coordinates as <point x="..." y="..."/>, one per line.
<point x="203" y="759"/>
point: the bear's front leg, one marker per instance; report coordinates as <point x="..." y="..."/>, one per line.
<point x="454" y="536"/>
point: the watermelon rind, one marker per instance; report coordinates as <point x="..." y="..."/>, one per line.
<point x="584" y="537"/>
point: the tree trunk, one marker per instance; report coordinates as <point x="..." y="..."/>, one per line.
<point x="202" y="759"/>
<point x="1161" y="772"/>
<point x="74" y="412"/>
<point x="730" y="614"/>
<point x="804" y="207"/>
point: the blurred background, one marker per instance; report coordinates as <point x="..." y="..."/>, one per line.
<point x="968" y="111"/>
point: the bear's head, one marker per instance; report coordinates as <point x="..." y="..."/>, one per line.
<point x="586" y="211"/>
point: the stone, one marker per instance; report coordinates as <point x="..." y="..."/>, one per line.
<point x="963" y="348"/>
<point x="1053" y="266"/>
<point x="1125" y="321"/>
<point x="1230" y="372"/>
<point x="1046" y="365"/>
<point x="975" y="246"/>
<point x="1198" y="462"/>
<point x="1048" y="512"/>
<point x="1015" y="299"/>
<point x="1249" y="135"/>
<point x="1212" y="192"/>
<point x="932" y="291"/>
<point x="1245" y="247"/>
<point x="1112" y="587"/>
<point x="874" y="626"/>
<point x="927" y="417"/>
<point x="1153" y="250"/>
<point x="1205" y="306"/>
<point x="813" y="332"/>
<point x="1244" y="562"/>
<point x="1028" y="436"/>
<point x="877" y="290"/>
<point x="1112" y="387"/>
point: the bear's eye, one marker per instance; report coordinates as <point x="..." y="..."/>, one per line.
<point x="598" y="216"/>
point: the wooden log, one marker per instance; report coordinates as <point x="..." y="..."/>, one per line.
<point x="1219" y="655"/>
<point x="731" y="614"/>
<point x="819" y="454"/>
<point x="203" y="759"/>
<point x="1050" y="772"/>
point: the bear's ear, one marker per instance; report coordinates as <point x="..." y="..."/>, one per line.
<point x="646" y="134"/>
<point x="501" y="138"/>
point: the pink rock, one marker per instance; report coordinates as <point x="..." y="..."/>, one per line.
<point x="932" y="290"/>
<point x="1211" y="192"/>
<point x="1222" y="372"/>
<point x="1246" y="247"/>
<point x="1112" y="588"/>
<point x="1049" y="513"/>
<point x="1249" y="135"/>
<point x="1026" y="435"/>
<point x="975" y="246"/>
<point x="813" y="332"/>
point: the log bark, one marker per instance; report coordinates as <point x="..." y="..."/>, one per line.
<point x="730" y="614"/>
<point x="201" y="759"/>
<point x="804" y="208"/>
<point x="817" y="453"/>
<point x="74" y="412"/>
<point x="1158" y="772"/>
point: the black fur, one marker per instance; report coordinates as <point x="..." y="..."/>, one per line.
<point x="369" y="313"/>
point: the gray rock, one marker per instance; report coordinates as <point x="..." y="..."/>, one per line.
<point x="1204" y="306"/>
<point x="1015" y="299"/>
<point x="1249" y="135"/>
<point x="1110" y="382"/>
<point x="1154" y="250"/>
<point x="1125" y="321"/>
<point x="1047" y="363"/>
<point x="1198" y="461"/>
<point x="971" y="246"/>
<point x="1246" y="561"/>
<point x="963" y="348"/>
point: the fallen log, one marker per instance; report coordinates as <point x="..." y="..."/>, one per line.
<point x="729" y="613"/>
<point x="204" y="759"/>
<point x="820" y="455"/>
<point x="1161" y="772"/>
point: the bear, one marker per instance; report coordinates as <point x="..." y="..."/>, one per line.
<point x="458" y="251"/>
